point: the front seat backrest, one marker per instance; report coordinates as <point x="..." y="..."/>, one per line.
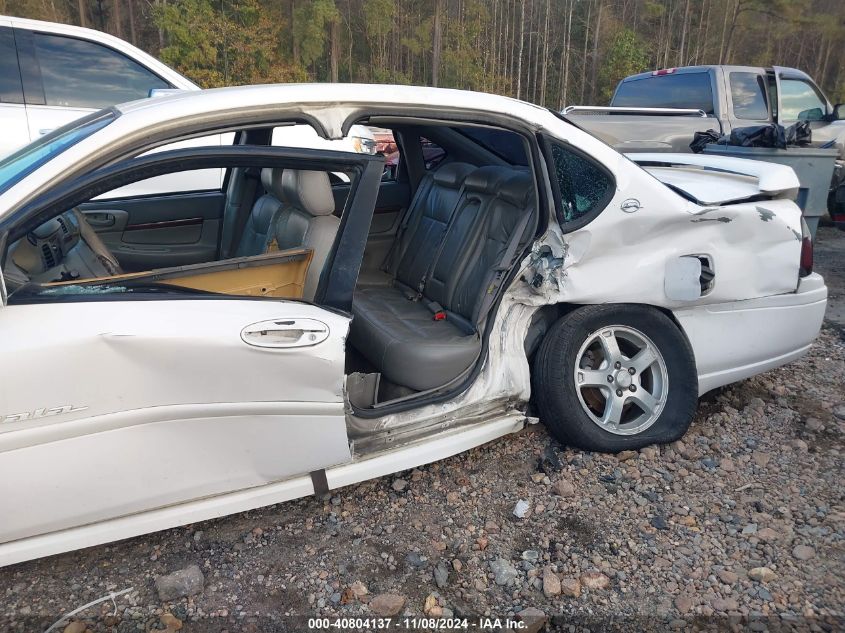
<point x="306" y="219"/>
<point x="258" y="227"/>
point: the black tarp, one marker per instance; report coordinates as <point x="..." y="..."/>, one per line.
<point x="769" y="135"/>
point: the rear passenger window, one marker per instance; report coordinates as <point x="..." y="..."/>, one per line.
<point x="386" y="145"/>
<point x="10" y="77"/>
<point x="82" y="74"/>
<point x="585" y="188"/>
<point x="748" y="96"/>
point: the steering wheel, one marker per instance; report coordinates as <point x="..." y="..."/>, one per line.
<point x="93" y="241"/>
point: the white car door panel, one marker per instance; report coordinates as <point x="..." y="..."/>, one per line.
<point x="118" y="407"/>
<point x="43" y="119"/>
<point x="14" y="126"/>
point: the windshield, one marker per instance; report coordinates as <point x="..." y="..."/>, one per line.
<point x="29" y="158"/>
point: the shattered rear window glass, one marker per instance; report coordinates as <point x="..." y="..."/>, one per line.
<point x="584" y="187"/>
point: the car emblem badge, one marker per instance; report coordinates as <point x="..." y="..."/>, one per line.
<point x="631" y="205"/>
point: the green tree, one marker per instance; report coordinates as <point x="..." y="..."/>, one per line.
<point x="625" y="56"/>
<point x="310" y="23"/>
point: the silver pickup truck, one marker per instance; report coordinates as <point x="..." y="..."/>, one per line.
<point x="662" y="111"/>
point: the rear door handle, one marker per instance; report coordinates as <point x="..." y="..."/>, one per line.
<point x="285" y="333"/>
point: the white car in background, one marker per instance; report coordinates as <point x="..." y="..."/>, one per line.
<point x="52" y="74"/>
<point x="532" y="271"/>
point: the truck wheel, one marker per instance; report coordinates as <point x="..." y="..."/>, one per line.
<point x="615" y="377"/>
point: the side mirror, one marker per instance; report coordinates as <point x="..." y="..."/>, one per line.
<point x="813" y="114"/>
<point x="838" y="112"/>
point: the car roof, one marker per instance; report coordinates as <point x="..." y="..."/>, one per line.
<point x="338" y="96"/>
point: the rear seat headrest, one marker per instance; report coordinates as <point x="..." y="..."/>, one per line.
<point x="271" y="180"/>
<point x="513" y="185"/>
<point x="488" y="179"/>
<point x="452" y="174"/>
<point x="517" y="189"/>
<point x="308" y="190"/>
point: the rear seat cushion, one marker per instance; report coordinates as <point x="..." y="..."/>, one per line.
<point x="402" y="339"/>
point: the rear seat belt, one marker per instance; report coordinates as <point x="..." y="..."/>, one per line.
<point x="500" y="271"/>
<point x="430" y="271"/>
<point x="388" y="263"/>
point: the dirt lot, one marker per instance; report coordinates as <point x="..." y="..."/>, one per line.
<point x="742" y="524"/>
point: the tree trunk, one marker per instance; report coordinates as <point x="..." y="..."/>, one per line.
<point x="436" y="43"/>
<point x="595" y="68"/>
<point x="133" y="32"/>
<point x="294" y="40"/>
<point x="567" y="43"/>
<point x="682" y="51"/>
<point x="118" y="19"/>
<point x="584" y="56"/>
<point x="544" y="76"/>
<point x="160" y="29"/>
<point x="724" y="32"/>
<point x="334" y="49"/>
<point x="83" y="19"/>
<point x="521" y="49"/>
<point x="738" y="8"/>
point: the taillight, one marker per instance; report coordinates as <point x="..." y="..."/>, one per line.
<point x="806" y="256"/>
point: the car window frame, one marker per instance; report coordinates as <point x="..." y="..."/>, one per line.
<point x="813" y="88"/>
<point x="32" y="77"/>
<point x="568" y="226"/>
<point x="334" y="290"/>
<point x="761" y="85"/>
<point x="8" y="45"/>
<point x="710" y="110"/>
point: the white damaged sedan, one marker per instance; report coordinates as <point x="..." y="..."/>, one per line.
<point x="175" y="357"/>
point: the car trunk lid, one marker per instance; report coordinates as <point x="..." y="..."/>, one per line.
<point x="718" y="180"/>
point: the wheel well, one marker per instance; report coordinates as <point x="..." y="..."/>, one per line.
<point x="546" y="316"/>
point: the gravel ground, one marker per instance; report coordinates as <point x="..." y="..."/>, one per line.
<point x="740" y="526"/>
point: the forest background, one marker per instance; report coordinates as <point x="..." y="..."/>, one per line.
<point x="550" y="52"/>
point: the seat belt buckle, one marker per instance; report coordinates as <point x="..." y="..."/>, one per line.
<point x="437" y="310"/>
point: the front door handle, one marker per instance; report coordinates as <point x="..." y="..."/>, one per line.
<point x="285" y="333"/>
<point x="100" y="219"/>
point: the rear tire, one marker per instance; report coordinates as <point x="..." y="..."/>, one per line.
<point x="615" y="377"/>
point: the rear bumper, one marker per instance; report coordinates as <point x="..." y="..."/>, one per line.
<point x="732" y="341"/>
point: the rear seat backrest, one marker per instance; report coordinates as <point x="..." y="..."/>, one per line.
<point x="500" y="219"/>
<point x="463" y="235"/>
<point x="427" y="222"/>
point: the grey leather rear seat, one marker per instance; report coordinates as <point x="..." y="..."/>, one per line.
<point x="426" y="222"/>
<point x="400" y="336"/>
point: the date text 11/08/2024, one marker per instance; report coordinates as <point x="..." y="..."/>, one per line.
<point x="412" y="624"/>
